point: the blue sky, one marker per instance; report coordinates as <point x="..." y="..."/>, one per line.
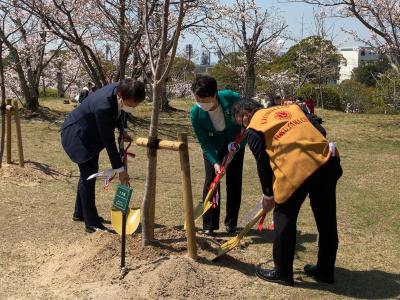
<point x="294" y="12"/>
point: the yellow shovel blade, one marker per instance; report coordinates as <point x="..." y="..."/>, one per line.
<point x="207" y="204"/>
<point x="205" y="207"/>
<point x="233" y="242"/>
<point x="132" y="220"/>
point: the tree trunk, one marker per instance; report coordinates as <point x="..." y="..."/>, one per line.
<point x="60" y="85"/>
<point x="32" y="103"/>
<point x="164" y="103"/>
<point x="44" y="87"/>
<point x="250" y="80"/>
<point x="148" y="205"/>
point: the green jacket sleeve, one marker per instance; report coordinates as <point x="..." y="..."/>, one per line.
<point x="202" y="136"/>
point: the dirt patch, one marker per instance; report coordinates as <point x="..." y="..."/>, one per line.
<point x="91" y="267"/>
<point x="33" y="174"/>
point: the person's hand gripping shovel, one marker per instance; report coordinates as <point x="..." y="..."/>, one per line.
<point x="256" y="214"/>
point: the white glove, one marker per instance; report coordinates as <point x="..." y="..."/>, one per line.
<point x="233" y="147"/>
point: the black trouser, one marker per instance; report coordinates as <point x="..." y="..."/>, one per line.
<point x="85" y="206"/>
<point x="321" y="188"/>
<point x="233" y="191"/>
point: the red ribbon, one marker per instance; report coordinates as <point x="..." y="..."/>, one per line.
<point x="271" y="226"/>
<point x="260" y="224"/>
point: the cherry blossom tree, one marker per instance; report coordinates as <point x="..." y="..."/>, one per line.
<point x="102" y="33"/>
<point x="26" y="40"/>
<point x="251" y="29"/>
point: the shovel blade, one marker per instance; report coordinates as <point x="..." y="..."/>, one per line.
<point x="233" y="242"/>
<point x="202" y="210"/>
<point x="132" y="220"/>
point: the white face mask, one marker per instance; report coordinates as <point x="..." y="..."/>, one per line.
<point x="205" y="106"/>
<point x="123" y="106"/>
<point x="128" y="109"/>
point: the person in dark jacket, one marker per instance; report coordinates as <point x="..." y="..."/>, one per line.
<point x="215" y="129"/>
<point x="294" y="160"/>
<point x="88" y="130"/>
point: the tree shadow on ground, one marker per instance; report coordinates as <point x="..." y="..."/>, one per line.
<point x="367" y="284"/>
<point x="230" y="262"/>
<point x="44" y="113"/>
<point x="50" y="171"/>
<point x="170" y="124"/>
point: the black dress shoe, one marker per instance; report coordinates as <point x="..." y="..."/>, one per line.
<point x="312" y="271"/>
<point x="230" y="229"/>
<point x="270" y="275"/>
<point x="104" y="221"/>
<point x="92" y="229"/>
<point x="101" y="220"/>
<point x="209" y="232"/>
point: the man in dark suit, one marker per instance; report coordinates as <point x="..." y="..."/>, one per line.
<point x="89" y="129"/>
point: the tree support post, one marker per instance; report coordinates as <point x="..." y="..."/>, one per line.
<point x="182" y="147"/>
<point x="19" y="135"/>
<point x="187" y="196"/>
<point x="8" y="129"/>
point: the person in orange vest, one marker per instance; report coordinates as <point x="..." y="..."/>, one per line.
<point x="294" y="160"/>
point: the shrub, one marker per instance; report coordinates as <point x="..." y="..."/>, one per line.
<point x="355" y="96"/>
<point x="50" y="92"/>
<point x="330" y="96"/>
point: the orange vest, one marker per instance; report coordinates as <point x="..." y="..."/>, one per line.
<point x="295" y="147"/>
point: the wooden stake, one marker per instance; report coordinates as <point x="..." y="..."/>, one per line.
<point x="19" y="135"/>
<point x="3" y="130"/>
<point x="168" y="145"/>
<point x="187" y="196"/>
<point x="8" y="121"/>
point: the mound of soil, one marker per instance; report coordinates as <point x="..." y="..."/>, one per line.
<point x="90" y="268"/>
<point x="32" y="174"/>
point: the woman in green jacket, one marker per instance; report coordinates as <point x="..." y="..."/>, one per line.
<point x="215" y="128"/>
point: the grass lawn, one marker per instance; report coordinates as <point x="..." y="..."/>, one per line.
<point x="37" y="229"/>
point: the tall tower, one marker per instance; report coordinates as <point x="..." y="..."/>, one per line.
<point x="189" y="51"/>
<point x="205" y="57"/>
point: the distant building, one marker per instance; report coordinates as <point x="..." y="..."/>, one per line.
<point x="205" y="57"/>
<point x="355" y="56"/>
<point x="203" y="69"/>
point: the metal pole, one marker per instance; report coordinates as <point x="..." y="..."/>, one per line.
<point x="123" y="241"/>
<point x="187" y="196"/>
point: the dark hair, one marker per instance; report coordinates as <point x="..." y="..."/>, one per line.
<point x="204" y="86"/>
<point x="131" y="89"/>
<point x="249" y="105"/>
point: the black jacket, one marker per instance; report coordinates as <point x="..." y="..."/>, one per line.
<point x="90" y="127"/>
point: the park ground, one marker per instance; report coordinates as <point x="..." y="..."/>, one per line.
<point x="45" y="255"/>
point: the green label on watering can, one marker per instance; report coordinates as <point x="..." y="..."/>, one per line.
<point x="122" y="197"/>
